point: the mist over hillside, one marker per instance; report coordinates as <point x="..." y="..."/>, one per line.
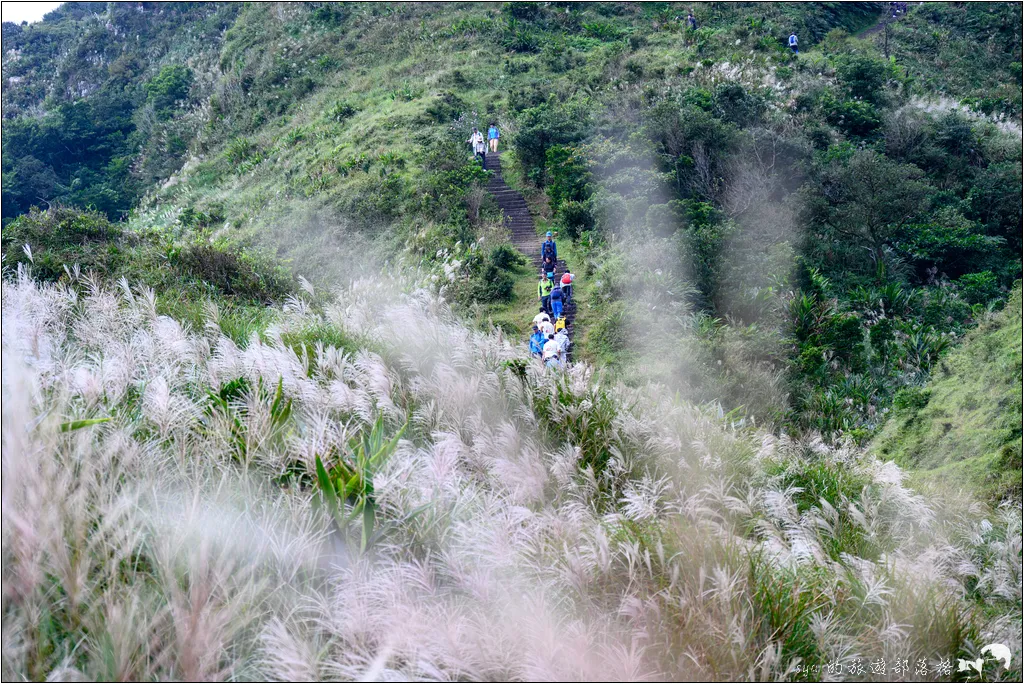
<point x="269" y="408"/>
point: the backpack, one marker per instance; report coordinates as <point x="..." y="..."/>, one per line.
<point x="549" y="249"/>
<point x="560" y="323"/>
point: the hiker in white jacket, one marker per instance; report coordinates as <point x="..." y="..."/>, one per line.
<point x="479" y="145"/>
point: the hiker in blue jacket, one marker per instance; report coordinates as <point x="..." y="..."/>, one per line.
<point x="792" y="44"/>
<point x="537" y="341"/>
<point x="548" y="248"/>
<point x="556" y="301"/>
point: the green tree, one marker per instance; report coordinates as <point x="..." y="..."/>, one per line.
<point x="168" y="88"/>
<point x="866" y="198"/>
<point x="549" y="123"/>
<point x="863" y="75"/>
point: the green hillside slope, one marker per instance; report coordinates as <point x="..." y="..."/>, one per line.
<point x="796" y="236"/>
<point x="964" y="427"/>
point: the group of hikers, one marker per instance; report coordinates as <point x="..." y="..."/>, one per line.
<point x="897" y="8"/>
<point x="480" y="147"/>
<point x="549" y="340"/>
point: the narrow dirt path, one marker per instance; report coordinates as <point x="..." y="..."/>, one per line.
<point x="887" y="18"/>
<point x="523" y="231"/>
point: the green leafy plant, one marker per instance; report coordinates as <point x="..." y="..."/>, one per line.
<point x="345" y="491"/>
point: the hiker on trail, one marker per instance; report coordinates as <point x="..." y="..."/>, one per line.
<point x="479" y="149"/>
<point x="548" y="267"/>
<point x="544" y="288"/>
<point x="691" y="21"/>
<point x="792" y="44"/>
<point x="546" y="327"/>
<point x="562" y="338"/>
<point x="541" y="317"/>
<point x="551" y="352"/>
<point x="549" y="248"/>
<point x="567" y="279"/>
<point x="492" y="137"/>
<point x="537" y="341"/>
<point x="556" y="301"/>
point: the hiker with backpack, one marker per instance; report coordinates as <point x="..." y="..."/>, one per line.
<point x="548" y="267"/>
<point x="566" y="281"/>
<point x="492" y="137"/>
<point x="793" y="44"/>
<point x="562" y="339"/>
<point x="551" y="353"/>
<point x="556" y="301"/>
<point x="548" y="248"/>
<point x="544" y="288"/>
<point x="476" y="139"/>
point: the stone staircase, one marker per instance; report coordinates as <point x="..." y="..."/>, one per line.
<point x="524" y="233"/>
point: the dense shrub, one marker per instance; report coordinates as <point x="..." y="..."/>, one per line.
<point x="547" y="124"/>
<point x="168" y="88"/>
<point x="235" y="272"/>
<point x="863" y="75"/>
<point x="63" y="237"/>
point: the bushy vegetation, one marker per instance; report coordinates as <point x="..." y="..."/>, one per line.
<point x="63" y="243"/>
<point x="440" y="505"/>
<point x="831" y="239"/>
<point x="91" y="117"/>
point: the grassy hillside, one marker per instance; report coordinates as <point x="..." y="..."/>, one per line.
<point x="964" y="427"/>
<point x="721" y="189"/>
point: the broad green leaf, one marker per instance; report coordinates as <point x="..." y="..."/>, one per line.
<point x="326" y="487"/>
<point x="79" y="424"/>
